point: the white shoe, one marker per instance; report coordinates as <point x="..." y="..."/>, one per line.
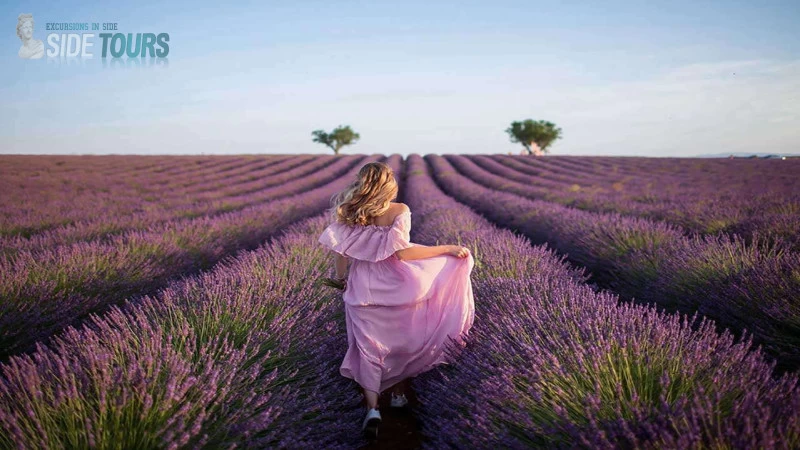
<point x="371" y="423"/>
<point x="399" y="401"/>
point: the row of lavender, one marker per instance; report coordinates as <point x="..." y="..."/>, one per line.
<point x="57" y="201"/>
<point x="552" y="363"/>
<point x="668" y="176"/>
<point x="663" y="176"/>
<point x="318" y="418"/>
<point x="707" y="196"/>
<point x="744" y="287"/>
<point x="40" y="200"/>
<point x="237" y="356"/>
<point x="42" y="291"/>
<point x="736" y="198"/>
<point x="245" y="355"/>
<point x="544" y="178"/>
<point x="676" y="179"/>
<point x="227" y="193"/>
<point x="240" y="356"/>
<point x="41" y="190"/>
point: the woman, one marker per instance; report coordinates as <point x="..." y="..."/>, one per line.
<point x="403" y="301"/>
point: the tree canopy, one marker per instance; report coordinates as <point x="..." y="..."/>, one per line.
<point x="535" y="135"/>
<point x="336" y="139"/>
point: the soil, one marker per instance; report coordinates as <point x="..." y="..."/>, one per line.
<point x="398" y="429"/>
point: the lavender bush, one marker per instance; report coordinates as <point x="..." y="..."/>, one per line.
<point x="246" y="354"/>
<point x="240" y="355"/>
<point x="553" y="363"/>
<point x="655" y="263"/>
<point x="42" y="292"/>
<point x="721" y="196"/>
<point x="183" y="205"/>
<point x="41" y="193"/>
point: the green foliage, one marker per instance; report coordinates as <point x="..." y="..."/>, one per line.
<point x="529" y="132"/>
<point x="336" y="139"/>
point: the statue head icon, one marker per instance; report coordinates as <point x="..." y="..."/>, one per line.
<point x="31" y="48"/>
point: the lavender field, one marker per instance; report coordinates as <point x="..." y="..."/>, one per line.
<point x="170" y="302"/>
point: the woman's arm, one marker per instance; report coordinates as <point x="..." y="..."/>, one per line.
<point x="340" y="262"/>
<point x="423" y="252"/>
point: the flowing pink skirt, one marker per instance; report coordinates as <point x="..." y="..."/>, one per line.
<point x="401" y="314"/>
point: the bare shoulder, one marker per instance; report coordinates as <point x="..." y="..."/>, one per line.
<point x="386" y="219"/>
<point x="397" y="209"/>
<point x="400" y="208"/>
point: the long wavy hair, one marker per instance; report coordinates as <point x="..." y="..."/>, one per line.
<point x="367" y="197"/>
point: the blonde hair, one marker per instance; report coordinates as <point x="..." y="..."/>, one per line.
<point x="369" y="196"/>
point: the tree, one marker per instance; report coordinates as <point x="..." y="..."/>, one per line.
<point x="535" y="135"/>
<point x="338" y="138"/>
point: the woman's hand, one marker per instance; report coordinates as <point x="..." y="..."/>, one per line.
<point x="457" y="251"/>
<point x="423" y="252"/>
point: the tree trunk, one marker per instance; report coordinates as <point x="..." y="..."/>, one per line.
<point x="535" y="150"/>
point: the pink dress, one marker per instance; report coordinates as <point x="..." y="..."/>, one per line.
<point x="399" y="314"/>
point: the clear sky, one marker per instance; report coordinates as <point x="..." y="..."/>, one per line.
<point x="646" y="78"/>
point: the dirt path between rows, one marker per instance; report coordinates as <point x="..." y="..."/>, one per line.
<point x="398" y="429"/>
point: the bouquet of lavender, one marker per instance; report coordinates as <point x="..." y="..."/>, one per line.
<point x="339" y="284"/>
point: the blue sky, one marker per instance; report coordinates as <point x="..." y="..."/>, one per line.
<point x="644" y="78"/>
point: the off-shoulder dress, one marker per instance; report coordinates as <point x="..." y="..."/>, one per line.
<point x="399" y="313"/>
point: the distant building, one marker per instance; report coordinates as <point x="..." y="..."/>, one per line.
<point x="534" y="150"/>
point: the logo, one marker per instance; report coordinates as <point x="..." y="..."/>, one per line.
<point x="31" y="48"/>
<point x="84" y="40"/>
